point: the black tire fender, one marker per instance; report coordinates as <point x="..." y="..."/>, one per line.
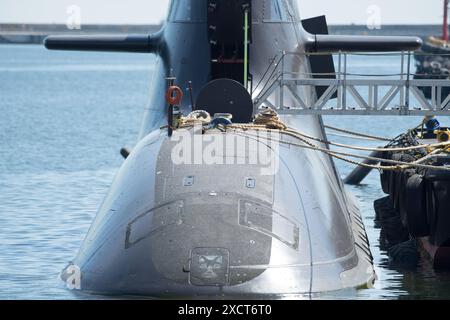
<point x="415" y="205"/>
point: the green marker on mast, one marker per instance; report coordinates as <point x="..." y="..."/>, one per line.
<point x="246" y="49"/>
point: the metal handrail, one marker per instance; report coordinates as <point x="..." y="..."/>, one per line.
<point x="404" y="87"/>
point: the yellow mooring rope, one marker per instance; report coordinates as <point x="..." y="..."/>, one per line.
<point x="357" y="134"/>
<point x="269" y="121"/>
<point x="399" y="165"/>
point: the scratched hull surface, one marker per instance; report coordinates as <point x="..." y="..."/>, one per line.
<point x="295" y="231"/>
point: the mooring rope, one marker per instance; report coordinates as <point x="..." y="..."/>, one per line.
<point x="358" y="134"/>
<point x="269" y="121"/>
<point x="350" y="137"/>
<point x="399" y="165"/>
<point x="276" y="124"/>
<point x="420" y="146"/>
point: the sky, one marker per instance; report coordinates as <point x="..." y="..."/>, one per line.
<point x="153" y="11"/>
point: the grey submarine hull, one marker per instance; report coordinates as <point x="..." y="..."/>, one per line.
<point x="188" y="230"/>
<point x="295" y="230"/>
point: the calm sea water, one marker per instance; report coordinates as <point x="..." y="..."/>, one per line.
<point x="63" y="118"/>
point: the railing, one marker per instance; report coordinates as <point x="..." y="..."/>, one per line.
<point x="353" y="93"/>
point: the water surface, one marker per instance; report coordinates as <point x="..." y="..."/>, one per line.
<point x="64" y="117"/>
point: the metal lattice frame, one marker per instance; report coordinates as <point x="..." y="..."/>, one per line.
<point x="367" y="96"/>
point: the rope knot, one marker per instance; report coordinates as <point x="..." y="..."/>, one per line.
<point x="270" y="119"/>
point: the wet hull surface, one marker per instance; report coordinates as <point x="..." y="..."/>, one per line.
<point x="170" y="229"/>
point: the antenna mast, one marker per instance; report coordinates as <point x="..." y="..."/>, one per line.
<point x="445" y="26"/>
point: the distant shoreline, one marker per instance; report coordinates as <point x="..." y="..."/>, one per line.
<point x="35" y="33"/>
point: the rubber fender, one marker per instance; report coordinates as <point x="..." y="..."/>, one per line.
<point x="393" y="181"/>
<point x="388" y="219"/>
<point x="383" y="208"/>
<point x="385" y="178"/>
<point x="431" y="204"/>
<point x="385" y="175"/>
<point x="416" y="208"/>
<point x="399" y="179"/>
<point x="438" y="204"/>
<point x="437" y="175"/>
<point x="379" y="206"/>
<point x="403" y="199"/>
<point x="396" y="180"/>
<point x="392" y="232"/>
<point x="404" y="254"/>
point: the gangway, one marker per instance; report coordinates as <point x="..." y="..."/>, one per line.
<point x="349" y="93"/>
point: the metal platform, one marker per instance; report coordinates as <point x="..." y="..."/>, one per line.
<point x="357" y="94"/>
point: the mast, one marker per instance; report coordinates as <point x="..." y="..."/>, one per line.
<point x="445" y="26"/>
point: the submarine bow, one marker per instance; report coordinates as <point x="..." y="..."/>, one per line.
<point x="191" y="229"/>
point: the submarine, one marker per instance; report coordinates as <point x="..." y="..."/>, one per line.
<point x="233" y="228"/>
